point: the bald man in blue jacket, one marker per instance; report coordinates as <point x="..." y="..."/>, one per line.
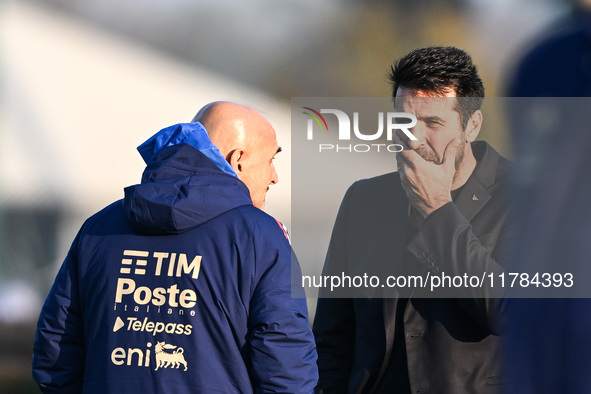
<point x="185" y="284"/>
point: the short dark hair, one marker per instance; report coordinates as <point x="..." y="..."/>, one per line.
<point x="435" y="69"/>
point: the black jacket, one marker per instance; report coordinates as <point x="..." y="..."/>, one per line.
<point x="452" y="344"/>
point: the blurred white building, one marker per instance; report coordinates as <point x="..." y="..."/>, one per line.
<point x="76" y="102"/>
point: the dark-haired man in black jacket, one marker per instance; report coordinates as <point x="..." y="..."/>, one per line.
<point x="443" y="213"/>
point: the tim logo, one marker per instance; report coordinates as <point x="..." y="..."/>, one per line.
<point x="392" y="120"/>
<point x="169" y="356"/>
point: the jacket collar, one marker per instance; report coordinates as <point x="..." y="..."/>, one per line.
<point x="474" y="194"/>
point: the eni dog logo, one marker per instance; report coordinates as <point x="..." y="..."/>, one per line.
<point x="169" y="356"/>
<point x="166" y="356"/>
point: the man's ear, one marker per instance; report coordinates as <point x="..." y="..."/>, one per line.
<point x="473" y="126"/>
<point x="235" y="159"/>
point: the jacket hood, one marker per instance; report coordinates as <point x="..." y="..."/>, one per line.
<point x="193" y="134"/>
<point x="181" y="188"/>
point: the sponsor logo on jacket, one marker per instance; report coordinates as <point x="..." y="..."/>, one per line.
<point x="140" y="263"/>
<point x="166" y="355"/>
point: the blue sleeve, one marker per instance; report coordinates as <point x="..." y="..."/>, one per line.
<point x="282" y="353"/>
<point x="58" y="353"/>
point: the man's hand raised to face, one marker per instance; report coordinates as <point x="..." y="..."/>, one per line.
<point x="427" y="185"/>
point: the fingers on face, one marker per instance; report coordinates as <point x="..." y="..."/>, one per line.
<point x="409" y="158"/>
<point x="408" y="154"/>
<point x="401" y="139"/>
<point x="451" y="150"/>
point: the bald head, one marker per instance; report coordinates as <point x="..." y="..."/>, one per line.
<point x="247" y="141"/>
<point x="231" y="125"/>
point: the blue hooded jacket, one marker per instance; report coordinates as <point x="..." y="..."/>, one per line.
<point x="181" y="287"/>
